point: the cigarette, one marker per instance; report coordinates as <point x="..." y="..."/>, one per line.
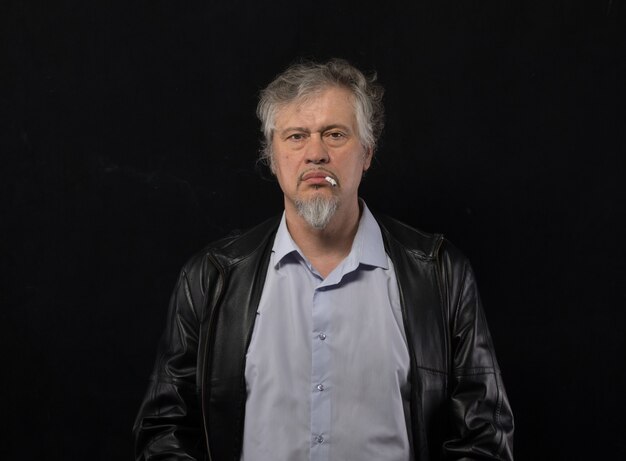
<point x="331" y="181"/>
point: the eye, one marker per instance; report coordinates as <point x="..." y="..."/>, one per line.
<point x="336" y="137"/>
<point x="296" y="137"/>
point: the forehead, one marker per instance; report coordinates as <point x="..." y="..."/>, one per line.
<point x="328" y="105"/>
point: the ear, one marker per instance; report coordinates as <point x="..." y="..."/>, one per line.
<point x="270" y="159"/>
<point x="367" y="159"/>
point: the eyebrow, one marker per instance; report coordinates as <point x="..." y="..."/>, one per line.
<point x="295" y="128"/>
<point x="322" y="130"/>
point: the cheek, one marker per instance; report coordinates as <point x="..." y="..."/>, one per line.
<point x="285" y="162"/>
<point x="282" y="168"/>
<point x="277" y="162"/>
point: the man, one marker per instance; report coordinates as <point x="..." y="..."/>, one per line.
<point x="330" y="333"/>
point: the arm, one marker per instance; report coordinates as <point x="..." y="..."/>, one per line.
<point x="169" y="423"/>
<point x="479" y="411"/>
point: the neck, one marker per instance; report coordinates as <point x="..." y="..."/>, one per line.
<point x="325" y="248"/>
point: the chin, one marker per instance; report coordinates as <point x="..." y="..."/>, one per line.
<point x="317" y="210"/>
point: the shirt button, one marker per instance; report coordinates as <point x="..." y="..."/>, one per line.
<point x="320" y="387"/>
<point x="319" y="439"/>
<point x="322" y="336"/>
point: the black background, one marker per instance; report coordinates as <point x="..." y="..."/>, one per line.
<point x="129" y="142"/>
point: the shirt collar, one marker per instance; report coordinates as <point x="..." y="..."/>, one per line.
<point x="368" y="241"/>
<point x="367" y="248"/>
<point x="283" y="243"/>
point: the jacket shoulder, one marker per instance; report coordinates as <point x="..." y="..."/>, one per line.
<point x="428" y="246"/>
<point x="235" y="247"/>
<point x="423" y="244"/>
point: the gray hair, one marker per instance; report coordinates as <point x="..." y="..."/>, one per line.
<point x="307" y="78"/>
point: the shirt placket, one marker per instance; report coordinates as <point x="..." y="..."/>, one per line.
<point x="321" y="387"/>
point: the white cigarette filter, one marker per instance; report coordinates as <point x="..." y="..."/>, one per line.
<point x="331" y="181"/>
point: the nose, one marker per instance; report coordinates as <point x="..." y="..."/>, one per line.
<point x="316" y="151"/>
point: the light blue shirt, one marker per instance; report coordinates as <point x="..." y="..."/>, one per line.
<point x="327" y="368"/>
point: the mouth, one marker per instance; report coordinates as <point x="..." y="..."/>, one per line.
<point x="318" y="178"/>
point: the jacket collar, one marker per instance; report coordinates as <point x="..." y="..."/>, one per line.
<point x="240" y="245"/>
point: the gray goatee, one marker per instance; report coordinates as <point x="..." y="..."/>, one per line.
<point x="317" y="211"/>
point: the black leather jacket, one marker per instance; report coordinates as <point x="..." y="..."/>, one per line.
<point x="194" y="407"/>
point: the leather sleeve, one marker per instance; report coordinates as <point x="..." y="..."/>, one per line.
<point x="169" y="423"/>
<point x="479" y="412"/>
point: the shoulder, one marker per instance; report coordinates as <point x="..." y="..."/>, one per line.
<point x="424" y="245"/>
<point x="414" y="250"/>
<point x="396" y="233"/>
<point x="231" y="250"/>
